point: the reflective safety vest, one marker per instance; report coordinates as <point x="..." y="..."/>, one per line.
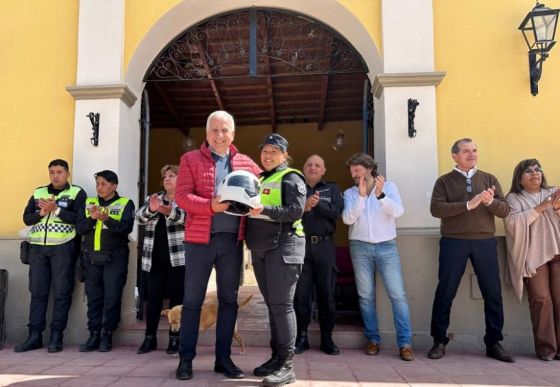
<point x="271" y="195"/>
<point x="51" y="230"/>
<point x="115" y="211"/>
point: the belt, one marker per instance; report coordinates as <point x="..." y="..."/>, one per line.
<point x="314" y="239"/>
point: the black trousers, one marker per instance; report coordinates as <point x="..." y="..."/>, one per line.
<point x="104" y="287"/>
<point x="277" y="275"/>
<point x="225" y="253"/>
<point x="453" y="256"/>
<point x="163" y="279"/>
<point x="319" y="273"/>
<point x="51" y="265"/>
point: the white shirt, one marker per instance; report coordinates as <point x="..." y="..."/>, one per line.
<point x="372" y="220"/>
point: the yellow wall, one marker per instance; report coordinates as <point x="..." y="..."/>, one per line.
<point x="142" y="14"/>
<point x="38" y="49"/>
<point x="485" y="94"/>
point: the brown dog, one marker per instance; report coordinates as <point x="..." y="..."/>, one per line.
<point x="208" y="317"/>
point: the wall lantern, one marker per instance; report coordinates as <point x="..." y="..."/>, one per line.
<point x="189" y="144"/>
<point x="412" y="105"/>
<point x="539" y="28"/>
<point x="339" y="141"/>
<point x="94" y="119"/>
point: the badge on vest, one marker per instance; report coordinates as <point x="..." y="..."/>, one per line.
<point x="266" y="191"/>
<point x="63" y="202"/>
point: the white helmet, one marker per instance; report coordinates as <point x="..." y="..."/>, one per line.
<point x="242" y="190"/>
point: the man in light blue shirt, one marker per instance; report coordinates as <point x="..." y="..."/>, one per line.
<point x="370" y="209"/>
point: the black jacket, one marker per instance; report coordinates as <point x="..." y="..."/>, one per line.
<point x="264" y="234"/>
<point x="321" y="220"/>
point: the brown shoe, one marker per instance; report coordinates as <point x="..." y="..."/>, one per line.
<point x="372" y="348"/>
<point x="406" y="353"/>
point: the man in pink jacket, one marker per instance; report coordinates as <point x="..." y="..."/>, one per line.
<point x="212" y="239"/>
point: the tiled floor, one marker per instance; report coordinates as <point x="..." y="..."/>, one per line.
<point x="123" y="367"/>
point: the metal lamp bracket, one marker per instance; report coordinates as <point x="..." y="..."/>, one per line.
<point x="412" y="104"/>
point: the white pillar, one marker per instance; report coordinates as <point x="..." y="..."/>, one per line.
<point x="100" y="82"/>
<point x="407" y="29"/>
<point x="100" y="89"/>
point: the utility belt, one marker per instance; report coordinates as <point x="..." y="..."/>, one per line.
<point x="314" y="239"/>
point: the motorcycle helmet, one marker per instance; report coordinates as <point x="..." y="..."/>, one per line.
<point x="242" y="190"/>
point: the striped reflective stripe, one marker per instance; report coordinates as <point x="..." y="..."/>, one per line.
<point x="51" y="230"/>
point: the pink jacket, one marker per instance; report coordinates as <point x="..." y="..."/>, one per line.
<point x="195" y="189"/>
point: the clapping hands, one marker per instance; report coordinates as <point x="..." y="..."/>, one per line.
<point x="98" y="213"/>
<point x="47" y="206"/>
<point x="312" y="201"/>
<point x="157" y="205"/>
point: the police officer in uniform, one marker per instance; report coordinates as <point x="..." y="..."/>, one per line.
<point x="52" y="212"/>
<point x="105" y="223"/>
<point x="275" y="237"/>
<point x="323" y="207"/>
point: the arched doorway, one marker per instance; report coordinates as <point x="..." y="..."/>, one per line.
<point x="273" y="70"/>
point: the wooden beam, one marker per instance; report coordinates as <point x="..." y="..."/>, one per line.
<point x="198" y="48"/>
<point x="264" y="33"/>
<point x="323" y="102"/>
<point x="171" y="109"/>
<point x="324" y="88"/>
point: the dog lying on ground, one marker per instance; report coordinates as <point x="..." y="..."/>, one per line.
<point x="208" y="317"/>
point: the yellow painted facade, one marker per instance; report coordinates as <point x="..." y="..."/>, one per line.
<point x="38" y="51"/>
<point x="485" y="94"/>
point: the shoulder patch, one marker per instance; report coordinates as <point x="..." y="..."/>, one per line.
<point x="302" y="189"/>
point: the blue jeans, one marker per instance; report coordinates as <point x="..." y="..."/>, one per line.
<point x="366" y="257"/>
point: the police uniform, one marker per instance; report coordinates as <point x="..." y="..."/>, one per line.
<point x="52" y="259"/>
<point x="277" y="245"/>
<point x="319" y="267"/>
<point x="105" y="254"/>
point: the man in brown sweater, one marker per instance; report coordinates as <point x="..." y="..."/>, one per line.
<point x="466" y="200"/>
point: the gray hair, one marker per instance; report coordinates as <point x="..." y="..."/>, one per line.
<point x="455" y="148"/>
<point x="221" y="114"/>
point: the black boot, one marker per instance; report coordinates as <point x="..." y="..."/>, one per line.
<point x="327" y="344"/>
<point x="55" y="342"/>
<point x="302" y="343"/>
<point x="92" y="342"/>
<point x="33" y="341"/>
<point x="284" y="375"/>
<point x="184" y="370"/>
<point x="149" y="344"/>
<point x="268" y="366"/>
<point x="173" y="346"/>
<point x="106" y="342"/>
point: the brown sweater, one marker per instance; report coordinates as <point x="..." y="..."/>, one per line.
<point x="449" y="202"/>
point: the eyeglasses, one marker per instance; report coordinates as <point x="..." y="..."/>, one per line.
<point x="530" y="171"/>
<point x="469" y="185"/>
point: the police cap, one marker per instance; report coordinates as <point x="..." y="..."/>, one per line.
<point x="276" y="140"/>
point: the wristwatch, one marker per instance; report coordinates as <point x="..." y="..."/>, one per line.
<point x="381" y="196"/>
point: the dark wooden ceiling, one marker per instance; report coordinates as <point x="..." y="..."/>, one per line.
<point x="264" y="67"/>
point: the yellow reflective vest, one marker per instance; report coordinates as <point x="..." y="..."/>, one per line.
<point x="271" y="195"/>
<point x="114" y="210"/>
<point x="51" y="230"/>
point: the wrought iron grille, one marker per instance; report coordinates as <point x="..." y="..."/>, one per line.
<point x="286" y="45"/>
